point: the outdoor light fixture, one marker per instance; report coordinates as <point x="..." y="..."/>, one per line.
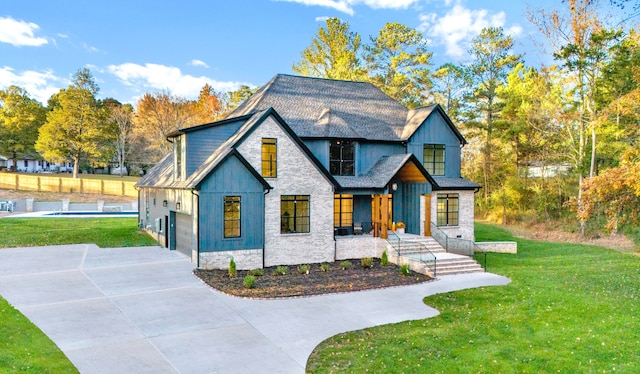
<point x="178" y="205"/>
<point x="394" y="186"/>
<point x="164" y="203"/>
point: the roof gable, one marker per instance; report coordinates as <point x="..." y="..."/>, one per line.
<point x="417" y="117"/>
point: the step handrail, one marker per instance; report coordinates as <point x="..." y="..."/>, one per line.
<point x="399" y="251"/>
<point x="440" y="240"/>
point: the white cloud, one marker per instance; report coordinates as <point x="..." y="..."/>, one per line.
<point x="19" y="33"/>
<point x="162" y="77"/>
<point x="460" y="25"/>
<point x="322" y="19"/>
<point x="39" y="85"/>
<point x="346" y="6"/>
<point x="196" y="62"/>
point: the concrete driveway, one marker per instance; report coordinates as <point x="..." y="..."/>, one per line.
<point x="141" y="310"/>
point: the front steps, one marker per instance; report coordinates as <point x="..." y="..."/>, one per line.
<point x="412" y="247"/>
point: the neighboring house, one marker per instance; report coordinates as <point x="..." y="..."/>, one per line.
<point x="301" y="163"/>
<point x="34" y="164"/>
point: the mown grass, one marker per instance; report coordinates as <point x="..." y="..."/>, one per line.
<point x="569" y="308"/>
<point x="105" y="232"/>
<point x="23" y="347"/>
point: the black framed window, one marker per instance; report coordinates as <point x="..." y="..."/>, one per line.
<point x="269" y="157"/>
<point x="433" y="158"/>
<point x="232" y="222"/>
<point x="178" y="157"/>
<point x="294" y="213"/>
<point x="342" y="210"/>
<point x="342" y="157"/>
<point x="448" y="205"/>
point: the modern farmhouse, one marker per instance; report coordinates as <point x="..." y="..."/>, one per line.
<point x="302" y="165"/>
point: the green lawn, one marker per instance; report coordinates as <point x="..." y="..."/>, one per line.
<point x="105" y="232"/>
<point x="23" y="347"/>
<point x="569" y="308"/>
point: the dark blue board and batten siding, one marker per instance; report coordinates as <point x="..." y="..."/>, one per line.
<point x="231" y="179"/>
<point x="434" y="130"/>
<point x="202" y="143"/>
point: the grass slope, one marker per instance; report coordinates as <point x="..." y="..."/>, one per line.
<point x="569" y="308"/>
<point x="105" y="232"/>
<point x="23" y="347"/>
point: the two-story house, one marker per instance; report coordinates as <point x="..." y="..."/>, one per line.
<point x="301" y="164"/>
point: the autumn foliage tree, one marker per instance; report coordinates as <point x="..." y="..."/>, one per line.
<point x="20" y="119"/>
<point x="76" y="126"/>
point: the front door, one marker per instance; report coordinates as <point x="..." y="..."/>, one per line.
<point x="172" y="230"/>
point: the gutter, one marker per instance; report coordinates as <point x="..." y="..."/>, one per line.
<point x="193" y="192"/>
<point x="264" y="228"/>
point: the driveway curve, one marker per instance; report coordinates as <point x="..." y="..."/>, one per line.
<point x="141" y="310"/>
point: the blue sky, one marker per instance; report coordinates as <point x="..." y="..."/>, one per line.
<point x="139" y="46"/>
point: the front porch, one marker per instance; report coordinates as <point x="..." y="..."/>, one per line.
<point x="423" y="254"/>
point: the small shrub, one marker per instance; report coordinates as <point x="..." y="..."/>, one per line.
<point x="345" y="265"/>
<point x="304" y="269"/>
<point x="281" y="270"/>
<point x="232" y="268"/>
<point x="366" y="263"/>
<point x="256" y="272"/>
<point x="324" y="267"/>
<point x="249" y="281"/>
<point x="404" y="269"/>
<point x="384" y="260"/>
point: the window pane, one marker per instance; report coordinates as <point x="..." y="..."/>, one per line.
<point x="294" y="213"/>
<point x="269" y="157"/>
<point x="232" y="222"/>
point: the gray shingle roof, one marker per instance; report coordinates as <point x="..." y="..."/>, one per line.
<point x="455" y="183"/>
<point x="325" y="108"/>
<point x="379" y="175"/>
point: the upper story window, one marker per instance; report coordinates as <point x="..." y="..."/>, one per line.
<point x="342" y="157"/>
<point x="269" y="157"/>
<point x="433" y="158"/>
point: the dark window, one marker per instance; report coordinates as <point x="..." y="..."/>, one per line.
<point x="342" y="210"/>
<point x="342" y="157"/>
<point x="294" y="213"/>
<point x="448" y="209"/>
<point x="433" y="159"/>
<point x="269" y="157"/>
<point x="232" y="216"/>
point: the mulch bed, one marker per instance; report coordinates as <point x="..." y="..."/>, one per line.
<point x="317" y="282"/>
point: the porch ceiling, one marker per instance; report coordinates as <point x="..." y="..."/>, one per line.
<point x="410" y="173"/>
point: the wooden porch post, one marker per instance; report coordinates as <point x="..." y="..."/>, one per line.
<point x="384" y="210"/>
<point x="427" y="215"/>
<point x="375" y="215"/>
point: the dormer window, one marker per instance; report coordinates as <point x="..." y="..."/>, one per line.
<point x="433" y="160"/>
<point x="342" y="157"/>
<point x="178" y="159"/>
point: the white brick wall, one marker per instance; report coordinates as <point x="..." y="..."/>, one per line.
<point x="348" y="247"/>
<point x="296" y="175"/>
<point x="465" y="214"/>
<point x="247" y="259"/>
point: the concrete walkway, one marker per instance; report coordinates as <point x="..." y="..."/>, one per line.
<point x="141" y="310"/>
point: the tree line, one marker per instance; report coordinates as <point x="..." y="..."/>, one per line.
<point x="77" y="127"/>
<point x="557" y="142"/>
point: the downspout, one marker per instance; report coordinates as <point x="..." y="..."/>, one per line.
<point x="194" y="193"/>
<point x="264" y="226"/>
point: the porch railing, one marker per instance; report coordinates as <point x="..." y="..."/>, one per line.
<point x="457" y="245"/>
<point x="414" y="250"/>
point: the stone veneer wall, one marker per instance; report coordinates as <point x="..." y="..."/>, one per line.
<point x="348" y="247"/>
<point x="246" y="259"/>
<point x="296" y="175"/>
<point x="498" y="247"/>
<point x="465" y="214"/>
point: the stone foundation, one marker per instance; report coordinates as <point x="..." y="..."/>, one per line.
<point x="348" y="247"/>
<point x="246" y="259"/>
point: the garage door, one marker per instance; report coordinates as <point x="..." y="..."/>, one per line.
<point x="184" y="229"/>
